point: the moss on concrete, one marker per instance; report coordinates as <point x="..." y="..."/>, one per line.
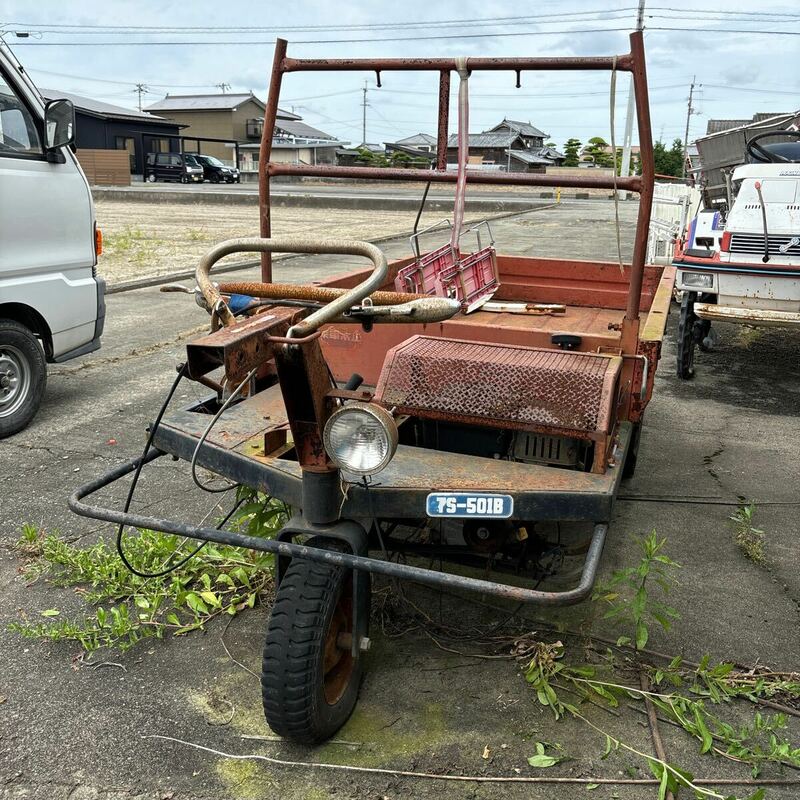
<point x="384" y="738"/>
<point x="245" y="780"/>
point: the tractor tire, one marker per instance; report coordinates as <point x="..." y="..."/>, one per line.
<point x="309" y="684"/>
<point x="686" y="337"/>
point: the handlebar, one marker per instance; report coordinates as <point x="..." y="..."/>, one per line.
<point x="298" y="244"/>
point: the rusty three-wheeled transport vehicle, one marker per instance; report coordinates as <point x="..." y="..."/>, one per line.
<point x="487" y="392"/>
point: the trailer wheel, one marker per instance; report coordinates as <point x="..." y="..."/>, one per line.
<point x="309" y="678"/>
<point x="23" y="376"/>
<point x="686" y="336"/>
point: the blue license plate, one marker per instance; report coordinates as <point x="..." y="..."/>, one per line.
<point x="469" y="504"/>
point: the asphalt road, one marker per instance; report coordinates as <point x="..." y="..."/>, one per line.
<point x="71" y="731"/>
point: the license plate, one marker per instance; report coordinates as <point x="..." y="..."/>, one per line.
<point x="468" y="504"/>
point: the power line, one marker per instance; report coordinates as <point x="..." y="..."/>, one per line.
<point x="75" y="28"/>
<point x="720" y="11"/>
<point x="121" y="82"/>
<point x="373" y="40"/>
<point x="86" y="29"/>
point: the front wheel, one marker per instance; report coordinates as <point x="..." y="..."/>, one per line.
<point x="309" y="677"/>
<point x="23" y="376"/>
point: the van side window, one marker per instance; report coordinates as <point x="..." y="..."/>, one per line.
<point x="162" y="159"/>
<point x="18" y="134"/>
<point x="175" y="161"/>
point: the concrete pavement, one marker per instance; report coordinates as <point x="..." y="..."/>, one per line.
<point x="74" y="732"/>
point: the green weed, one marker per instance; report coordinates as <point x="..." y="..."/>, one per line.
<point x="126" y="608"/>
<point x="749" y="538"/>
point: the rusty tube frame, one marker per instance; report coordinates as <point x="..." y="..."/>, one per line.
<point x="391" y="569"/>
<point x="632" y="62"/>
<point x="265" y="152"/>
<point x="300" y="244"/>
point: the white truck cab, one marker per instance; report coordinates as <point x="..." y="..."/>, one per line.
<point x="51" y="301"/>
<point x="744" y="268"/>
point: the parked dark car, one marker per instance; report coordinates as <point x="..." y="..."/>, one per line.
<point x="216" y="171"/>
<point x="180" y="167"/>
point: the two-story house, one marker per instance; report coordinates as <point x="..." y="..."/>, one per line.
<point x="240" y="117"/>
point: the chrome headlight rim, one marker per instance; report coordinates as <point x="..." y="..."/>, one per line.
<point x="378" y="413"/>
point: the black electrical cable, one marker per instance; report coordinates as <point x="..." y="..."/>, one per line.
<point x="182" y="371"/>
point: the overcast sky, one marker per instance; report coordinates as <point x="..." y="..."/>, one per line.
<point x="739" y="73"/>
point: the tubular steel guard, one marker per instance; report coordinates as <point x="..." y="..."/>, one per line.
<point x="340" y="304"/>
<point x="388" y="568"/>
<point x="632" y="62"/>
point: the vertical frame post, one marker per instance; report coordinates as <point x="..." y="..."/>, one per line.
<point x="444" y="111"/>
<point x="648" y="176"/>
<point x="265" y="153"/>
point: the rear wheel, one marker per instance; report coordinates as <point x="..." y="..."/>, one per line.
<point x="23" y="376"/>
<point x="309" y="677"/>
<point x="633" y="452"/>
<point x="151" y="177"/>
<point x="686" y="336"/>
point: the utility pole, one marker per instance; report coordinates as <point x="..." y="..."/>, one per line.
<point x="689" y="111"/>
<point x="222" y="86"/>
<point x="364" y="115"/>
<point x="625" y="167"/>
<point x="141" y="89"/>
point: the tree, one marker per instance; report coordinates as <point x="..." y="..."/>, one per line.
<point x="668" y="162"/>
<point x="395" y="159"/>
<point x="598" y="151"/>
<point x="571" y="149"/>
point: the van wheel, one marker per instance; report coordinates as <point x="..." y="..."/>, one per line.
<point x="151" y="178"/>
<point x="184" y="179"/>
<point x="23" y="376"/>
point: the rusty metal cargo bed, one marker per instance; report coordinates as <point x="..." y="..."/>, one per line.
<point x="235" y="448"/>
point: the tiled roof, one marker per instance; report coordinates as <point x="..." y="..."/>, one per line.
<point x="486" y="140"/>
<point x="300" y="129"/>
<point x="417" y="139"/>
<point x="719" y="125"/>
<point x="525" y="128"/>
<point x="529" y="157"/>
<point x="97" y="108"/>
<point x="211" y="102"/>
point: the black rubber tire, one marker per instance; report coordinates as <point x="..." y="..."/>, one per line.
<point x="214" y="178"/>
<point x="686" y="337"/>
<point x="633" y="452"/>
<point x="21" y="347"/>
<point x="292" y="686"/>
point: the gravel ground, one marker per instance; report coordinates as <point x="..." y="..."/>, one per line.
<point x="144" y="239"/>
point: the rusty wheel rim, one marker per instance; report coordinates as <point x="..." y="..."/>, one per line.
<point x="338" y="662"/>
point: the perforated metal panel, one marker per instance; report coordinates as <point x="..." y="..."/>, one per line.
<point x="500" y="385"/>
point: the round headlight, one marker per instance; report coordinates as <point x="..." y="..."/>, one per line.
<point x="360" y="438"/>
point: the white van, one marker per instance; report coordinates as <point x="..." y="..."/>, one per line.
<point x="51" y="301"/>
